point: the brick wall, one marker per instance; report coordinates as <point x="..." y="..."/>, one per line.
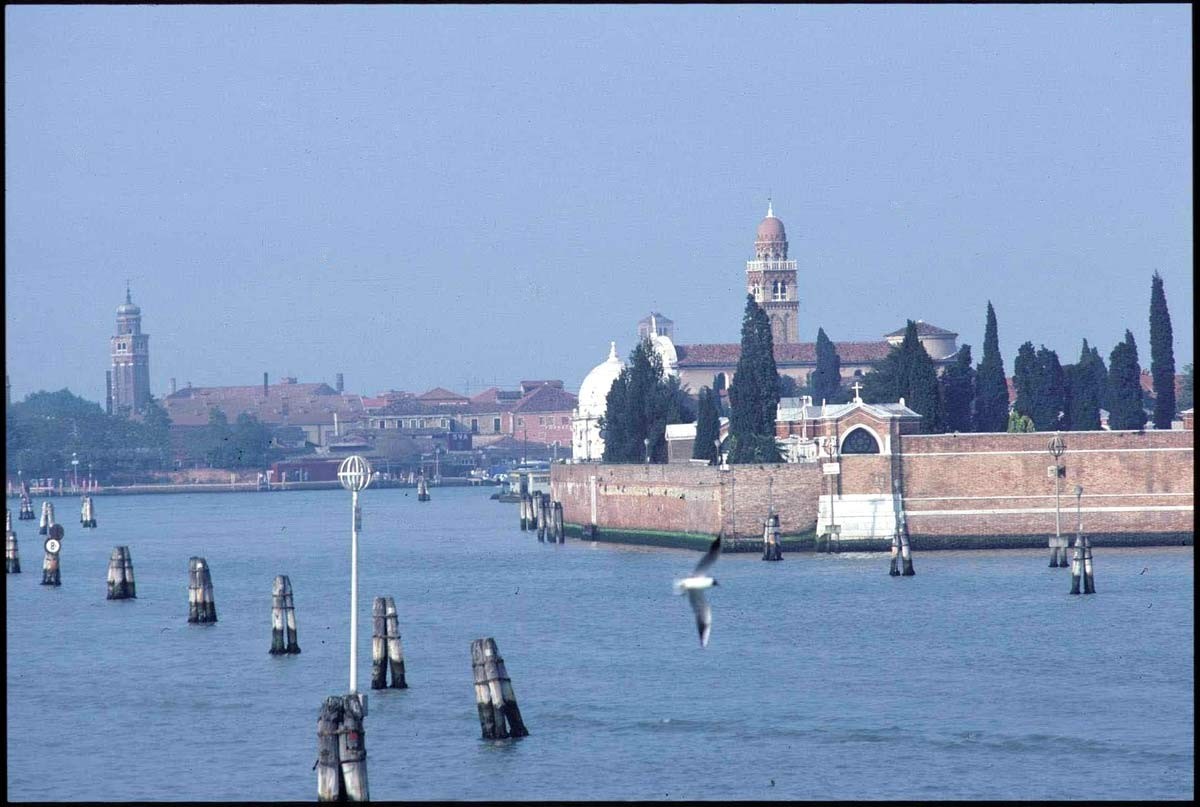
<point x="964" y="485"/>
<point x="688" y="499"/>
<point x="998" y="484"/>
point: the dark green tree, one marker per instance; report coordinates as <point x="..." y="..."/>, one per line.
<point x="639" y="406"/>
<point x="991" y="387"/>
<point x="1084" y="381"/>
<point x="754" y="393"/>
<point x="1162" y="355"/>
<point x="708" y="428"/>
<point x="158" y="430"/>
<point x="1025" y="379"/>
<point x="1124" y="387"/>
<point x="1049" y="392"/>
<point x="958" y="392"/>
<point x="908" y="372"/>
<point x="788" y="388"/>
<point x="250" y="441"/>
<point x="826" y="382"/>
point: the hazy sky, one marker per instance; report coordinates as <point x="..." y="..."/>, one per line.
<point x="429" y="195"/>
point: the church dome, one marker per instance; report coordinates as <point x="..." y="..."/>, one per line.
<point x="771" y="229"/>
<point x="665" y="349"/>
<point x="593" y="393"/>
<point x="127" y="308"/>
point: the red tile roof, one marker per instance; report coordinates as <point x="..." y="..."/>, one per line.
<point x="441" y="394"/>
<point x="547" y="399"/>
<point x="306" y="404"/>
<point x="791" y="353"/>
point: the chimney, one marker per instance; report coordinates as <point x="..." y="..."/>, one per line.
<point x="172" y="386"/>
<point x="108" y="392"/>
<point x="265" y="392"/>
<point x="339" y="384"/>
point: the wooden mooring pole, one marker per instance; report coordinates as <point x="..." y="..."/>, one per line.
<point x="341" y="764"/>
<point x="87" y="513"/>
<point x="12" y="556"/>
<point x="47" y="519"/>
<point x="283" y="618"/>
<point x="202" y="608"/>
<point x="120" y="575"/>
<point x="494" y="697"/>
<point x="387" y="651"/>
<point x="894" y="569"/>
<point x="26" y="513"/>
<point x="422" y="489"/>
<point x="524" y="506"/>
<point x="559" y="532"/>
<point x="50" y="568"/>
<point x="905" y="554"/>
<point x="541" y="501"/>
<point x="771" y="548"/>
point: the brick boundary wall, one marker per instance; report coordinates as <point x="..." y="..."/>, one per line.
<point x="999" y="484"/>
<point x="960" y="491"/>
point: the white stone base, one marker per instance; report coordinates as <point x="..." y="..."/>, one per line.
<point x="861" y="515"/>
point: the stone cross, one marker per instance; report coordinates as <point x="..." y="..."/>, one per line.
<point x="856" y="387"/>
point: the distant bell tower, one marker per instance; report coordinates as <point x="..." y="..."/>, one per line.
<point x="771" y="279"/>
<point x="130" y="360"/>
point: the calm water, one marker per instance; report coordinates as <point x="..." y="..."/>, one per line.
<point x="825" y="678"/>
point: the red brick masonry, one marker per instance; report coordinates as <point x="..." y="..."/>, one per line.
<point x="964" y="485"/>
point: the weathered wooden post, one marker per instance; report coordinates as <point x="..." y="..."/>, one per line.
<point x="1077" y="564"/>
<point x="540" y="501"/>
<point x="1089" y="582"/>
<point x="87" y="513"/>
<point x="352" y="748"/>
<point x="329" y="765"/>
<point x="422" y="489"/>
<point x="283" y="618"/>
<point x="12" y="557"/>
<point x="905" y="555"/>
<point x="395" y="650"/>
<point x="524" y="507"/>
<point x="504" y="701"/>
<point x="483" y="697"/>
<point x="50" y="570"/>
<point x="771" y="548"/>
<point x="120" y="575"/>
<point x="894" y="569"/>
<point x="378" y="644"/>
<point x="26" y="513"/>
<point x="47" y="518"/>
<point x="202" y="607"/>
<point x="559" y="530"/>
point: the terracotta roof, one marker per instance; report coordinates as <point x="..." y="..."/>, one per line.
<point x="306" y="404"/>
<point x="441" y="394"/>
<point x="547" y="399"/>
<point x="923" y="329"/>
<point x="792" y="353"/>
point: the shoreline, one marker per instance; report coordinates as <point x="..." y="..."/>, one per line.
<point x="236" y="487"/>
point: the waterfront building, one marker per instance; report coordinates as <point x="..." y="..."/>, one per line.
<point x="129" y="384"/>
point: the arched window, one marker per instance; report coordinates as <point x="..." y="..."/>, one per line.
<point x="779" y="290"/>
<point x="860" y="441"/>
<point x="757" y="290"/>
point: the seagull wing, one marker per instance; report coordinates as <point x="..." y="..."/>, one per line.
<point x="710" y="557"/>
<point x="703" y="614"/>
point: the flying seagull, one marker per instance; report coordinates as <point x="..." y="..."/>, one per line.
<point x="695" y="585"/>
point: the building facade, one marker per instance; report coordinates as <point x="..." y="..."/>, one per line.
<point x="130" y="360"/>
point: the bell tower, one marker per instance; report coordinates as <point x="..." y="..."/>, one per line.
<point x="130" y="360"/>
<point x="771" y="279"/>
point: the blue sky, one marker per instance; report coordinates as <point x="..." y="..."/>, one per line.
<point x="449" y="195"/>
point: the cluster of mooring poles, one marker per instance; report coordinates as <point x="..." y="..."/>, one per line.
<point x="202" y="607"/>
<point x="387" y="653"/>
<point x="422" y="488"/>
<point x="87" y="513"/>
<point x="902" y="565"/>
<point x="26" y="504"/>
<point x="283" y="618"/>
<point x="499" y="715"/>
<point x="538" y="512"/>
<point x="47" y="518"/>
<point x="1081" y="563"/>
<point x="120" y="575"/>
<point x="772" y="546"/>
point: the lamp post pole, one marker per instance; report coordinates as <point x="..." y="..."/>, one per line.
<point x="646" y="442"/>
<point x="1057" y="448"/>
<point x="354" y="474"/>
<point x="75" y="470"/>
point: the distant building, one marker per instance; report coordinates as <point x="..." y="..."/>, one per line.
<point x="316" y="409"/>
<point x="130" y="360"/>
<point x="587" y="444"/>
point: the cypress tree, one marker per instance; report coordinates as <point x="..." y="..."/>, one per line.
<point x="1186" y="390"/>
<point x="1162" y="355"/>
<point x="615" y="426"/>
<point x="708" y="428"/>
<point x="918" y="378"/>
<point x="1124" y="387"/>
<point x="1025" y="379"/>
<point x="1049" y="396"/>
<point x="826" y="380"/>
<point x="640" y="404"/>
<point x="754" y="393"/>
<point x="958" y="391"/>
<point x="1100" y="377"/>
<point x="1084" y="380"/>
<point x="991" y="388"/>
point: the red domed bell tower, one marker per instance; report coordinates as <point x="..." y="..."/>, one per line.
<point x="771" y="279"/>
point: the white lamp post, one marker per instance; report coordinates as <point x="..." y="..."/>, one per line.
<point x="355" y="474"/>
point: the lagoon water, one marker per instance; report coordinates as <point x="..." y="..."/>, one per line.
<point x="979" y="678"/>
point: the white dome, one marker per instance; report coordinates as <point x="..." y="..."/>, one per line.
<point x="665" y="349"/>
<point x="593" y="392"/>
